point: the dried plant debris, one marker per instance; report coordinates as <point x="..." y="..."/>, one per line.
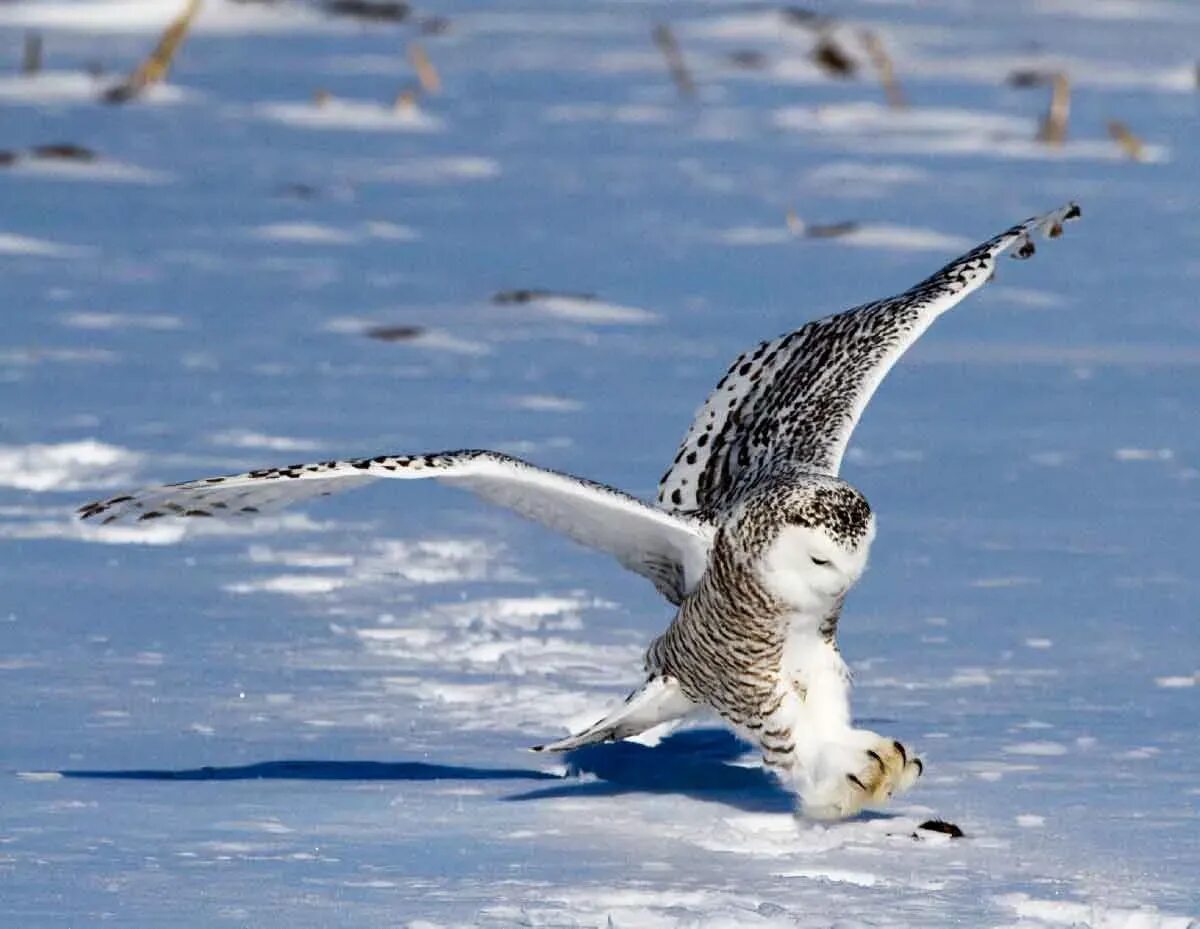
<point x="748" y="59"/>
<point x="832" y="58"/>
<point x="1029" y="77"/>
<point x="406" y="100"/>
<point x="805" y="18"/>
<point x="154" y="69"/>
<point x="800" y="228"/>
<point x="64" y="151"/>
<point x="434" y="25"/>
<point x="298" y="191"/>
<point x="884" y="68"/>
<point x="371" y="11"/>
<point x="945" y="828"/>
<point x="1053" y="130"/>
<point x="1131" y="145"/>
<point x="57" y="151"/>
<point x="31" y="55"/>
<point x="427" y="74"/>
<point x="664" y="38"/>
<point x="830" y="230"/>
<point x="529" y="296"/>
<point x="394" y="333"/>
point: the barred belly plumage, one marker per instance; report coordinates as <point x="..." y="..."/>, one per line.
<point x="725" y="645"/>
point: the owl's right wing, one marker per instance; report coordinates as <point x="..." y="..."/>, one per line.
<point x="671" y="551"/>
<point x="792" y="403"/>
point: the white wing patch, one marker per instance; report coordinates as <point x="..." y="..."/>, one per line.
<point x="669" y="550"/>
<point x="794" y="401"/>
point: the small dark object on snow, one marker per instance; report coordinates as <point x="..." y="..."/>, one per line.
<point x="434" y="25"/>
<point x="64" y="151"/>
<point x="830" y="230"/>
<point x="375" y="11"/>
<point x="940" y="825"/>
<point x="394" y="333"/>
<point x="299" y="191"/>
<point x="1029" y="77"/>
<point x="805" y="18"/>
<point x="748" y="58"/>
<point x="528" y="296"/>
<point x="7" y="158"/>
<point x="31" y="56"/>
<point x="833" y="59"/>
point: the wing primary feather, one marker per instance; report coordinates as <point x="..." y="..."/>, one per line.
<point x="671" y="551"/>
<point x="793" y="402"/>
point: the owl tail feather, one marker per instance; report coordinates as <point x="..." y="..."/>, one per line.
<point x="659" y="700"/>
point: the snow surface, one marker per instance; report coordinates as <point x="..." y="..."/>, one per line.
<point x="320" y="719"/>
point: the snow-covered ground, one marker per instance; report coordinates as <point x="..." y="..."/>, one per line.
<point x="320" y="719"/>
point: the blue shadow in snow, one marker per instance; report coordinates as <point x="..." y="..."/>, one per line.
<point x="693" y="763"/>
<point x="325" y="771"/>
<point x="696" y="763"/>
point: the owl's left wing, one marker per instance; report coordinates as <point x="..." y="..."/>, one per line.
<point x="669" y="550"/>
<point x="793" y="402"/>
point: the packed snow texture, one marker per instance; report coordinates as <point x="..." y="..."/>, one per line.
<point x="320" y="718"/>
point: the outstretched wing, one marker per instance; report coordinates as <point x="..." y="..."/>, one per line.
<point x="669" y="550"/>
<point x="793" y="401"/>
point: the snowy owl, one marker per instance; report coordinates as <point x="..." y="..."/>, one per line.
<point x="754" y="537"/>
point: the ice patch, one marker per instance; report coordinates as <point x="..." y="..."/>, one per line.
<point x="349" y="115"/>
<point x="874" y="128"/>
<point x="50" y="87"/>
<point x="581" y="310"/>
<point x="1143" y="454"/>
<point x="545" y="403"/>
<point x="870" y="235"/>
<point x="447" y="170"/>
<point x="297" y="585"/>
<point x="1037" y="749"/>
<point x="1090" y="915"/>
<point x="159" y="322"/>
<point x="1178" y="681"/>
<point x="100" y="170"/>
<point x="13" y="244"/>
<point x="321" y="234"/>
<point x="110" y="17"/>
<point x="633" y="114"/>
<point x="834" y="876"/>
<point x="88" y="464"/>
<point x="438" y="340"/>
<point x="246" y="438"/>
<point x="159" y="532"/>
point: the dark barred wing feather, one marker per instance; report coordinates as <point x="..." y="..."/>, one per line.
<point x="671" y="551"/>
<point x="793" y="402"/>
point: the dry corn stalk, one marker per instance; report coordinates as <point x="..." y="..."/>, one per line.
<point x="427" y="74"/>
<point x="882" y="62"/>
<point x="665" y="40"/>
<point x="158" y="63"/>
<point x="1130" y="144"/>
<point x="1053" y="130"/>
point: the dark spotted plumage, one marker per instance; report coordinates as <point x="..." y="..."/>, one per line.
<point x="793" y="401"/>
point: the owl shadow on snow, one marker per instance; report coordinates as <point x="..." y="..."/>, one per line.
<point x="697" y="763"/>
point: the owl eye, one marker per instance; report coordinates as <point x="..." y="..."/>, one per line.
<point x="820" y="562"/>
